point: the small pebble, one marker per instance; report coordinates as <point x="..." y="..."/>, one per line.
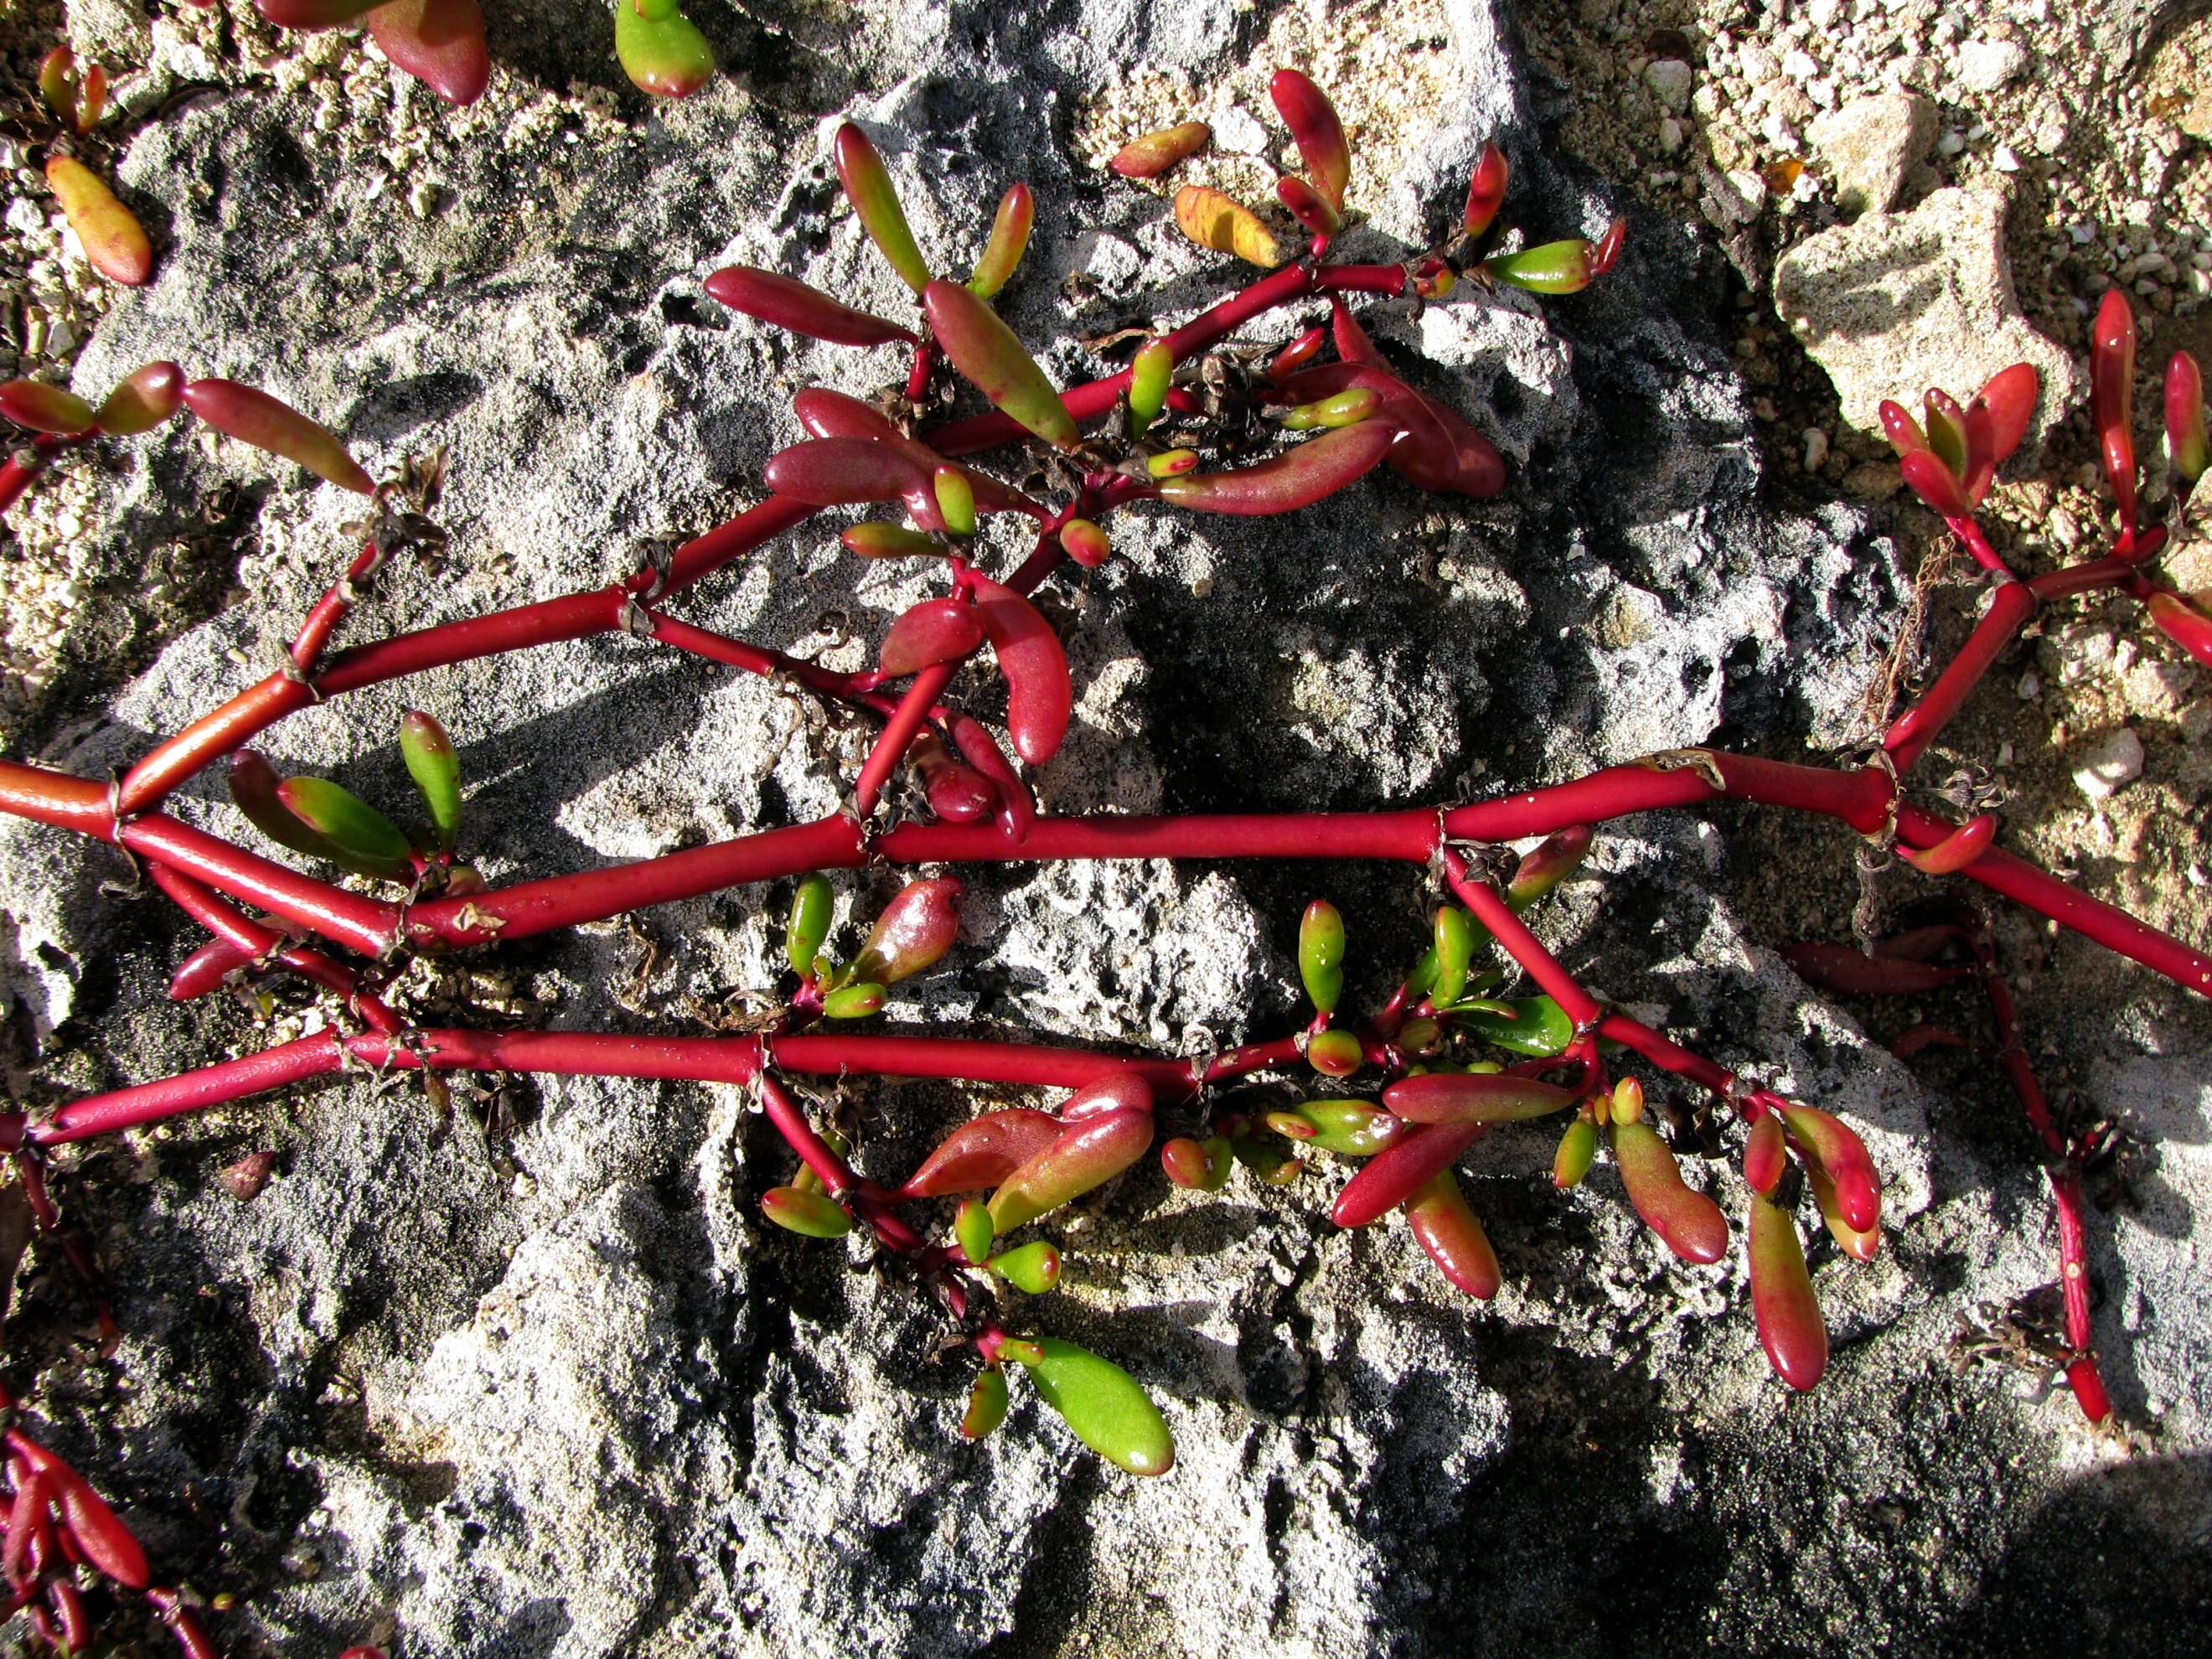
<point x="2111" y="765"/>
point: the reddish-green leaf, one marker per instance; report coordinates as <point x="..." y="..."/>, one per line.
<point x="1449" y="1230"/>
<point x="440" y="42"/>
<point x="660" y="49"/>
<point x="1545" y="866"/>
<point x="1156" y="152"/>
<point x="972" y="1230"/>
<point x="987" y="1405"/>
<point x="1335" y="1054"/>
<point x="114" y="242"/>
<point x="854" y="1001"/>
<point x="795" y="305"/>
<point x="1538" y="1027"/>
<point x="2185" y="446"/>
<point x="1321" y="954"/>
<point x="363" y="838"/>
<point x="1297" y="354"/>
<point x="1577" y="1150"/>
<point x="1201" y="1165"/>
<point x="1309" y="206"/>
<point x="2185" y="623"/>
<point x="436" y="770"/>
<point x="1299" y="478"/>
<point x="1548" y="268"/>
<point x="1226" y="225"/>
<point x="143" y="401"/>
<point x="1034" y="1268"/>
<point x="849" y="472"/>
<point x="1486" y="191"/>
<point x="1102" y="1403"/>
<point x="1016" y="811"/>
<point x="1319" y="135"/>
<point x="2111" y="398"/>
<point x="1400" y="1170"/>
<point x="1010" y="237"/>
<point x="1790" y="1325"/>
<point x="827" y="414"/>
<point x="59" y="85"/>
<point x="1040" y="696"/>
<point x="1474" y="1098"/>
<point x="1085" y="1155"/>
<point x="1765" y="1154"/>
<point x="982" y="1153"/>
<point x="1085" y="543"/>
<point x="44" y="408"/>
<point x="253" y="785"/>
<point x="1843" y="1158"/>
<point x="807" y="926"/>
<point x="868" y="187"/>
<point x="955" y="500"/>
<point x="1439" y="452"/>
<point x="1860" y="1244"/>
<point x="1947" y="430"/>
<point x="814" y="1215"/>
<point x="914" y="931"/>
<point x="1151" y="371"/>
<point x="254" y="417"/>
<point x="1351" y="1128"/>
<point x="1690" y="1223"/>
<point x="876" y="540"/>
<point x="988" y="356"/>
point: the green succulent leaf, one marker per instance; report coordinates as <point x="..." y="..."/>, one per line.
<point x="361" y="838"/>
<point x="1109" y="1411"/>
<point x="436" y="770"/>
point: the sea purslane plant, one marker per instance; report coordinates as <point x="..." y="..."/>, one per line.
<point x="1399" y="1091"/>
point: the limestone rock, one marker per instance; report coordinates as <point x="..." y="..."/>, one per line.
<point x="1871" y="144"/>
<point x="1896" y="303"/>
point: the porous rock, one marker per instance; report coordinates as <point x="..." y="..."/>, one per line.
<point x="1895" y="303"/>
<point x="555" y="1390"/>
<point x="1870" y="144"/>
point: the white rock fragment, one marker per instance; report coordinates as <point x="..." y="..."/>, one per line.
<point x="1987" y="66"/>
<point x="1870" y="144"/>
<point x="2111" y="765"/>
<point x="1897" y="303"/>
<point x="1669" y="79"/>
<point x="1816" y="448"/>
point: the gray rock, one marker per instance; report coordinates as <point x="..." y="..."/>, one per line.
<point x="1899" y="302"/>
<point x="1669" y="79"/>
<point x="563" y="1394"/>
<point x="1989" y="66"/>
<point x="2110" y="764"/>
<point x="1871" y="144"/>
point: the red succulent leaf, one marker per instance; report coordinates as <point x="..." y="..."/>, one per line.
<point x="1903" y="432"/>
<point x="1296" y="355"/>
<point x="1474" y="1098"/>
<point x="1309" y="206"/>
<point x="1122" y="1091"/>
<point x="1399" y="1172"/>
<point x="1085" y="1155"/>
<point x="1040" y="697"/>
<point x="1929" y="478"/>
<point x="1486" y="190"/>
<point x="2182" y="622"/>
<point x="1789" y="1315"/>
<point x="1440" y="452"/>
<point x="802" y="309"/>
<point x="914" y="931"/>
<point x="1916" y="1038"/>
<point x="2185" y="445"/>
<point x="1956" y="850"/>
<point x="96" y="1529"/>
<point x="982" y="1153"/>
<point x="1317" y="131"/>
<point x="1842" y="1158"/>
<point x="847" y="472"/>
<point x="2111" y="399"/>
<point x="1981" y="452"/>
<point x="957" y="793"/>
<point x="827" y="414"/>
<point x="2011" y="395"/>
<point x="1765" y="1154"/>
<point x="934" y="631"/>
<point x="1314" y="471"/>
<point x="1449" y="1231"/>
<point x="1351" y="342"/>
<point x="253" y="417"/>
<point x="1691" y="1224"/>
<point x="1016" y="810"/>
<point x="1605" y="253"/>
<point x="1839" y="967"/>
<point x="439" y="42"/>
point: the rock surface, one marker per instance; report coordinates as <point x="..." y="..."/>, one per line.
<point x="559" y="1393"/>
<point x="1871" y="144"/>
<point x="1898" y="302"/>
